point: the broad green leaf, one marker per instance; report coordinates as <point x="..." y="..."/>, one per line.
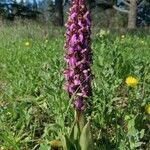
<point x="76" y="132"/>
<point x="86" y="142"/>
<point x="74" y="135"/>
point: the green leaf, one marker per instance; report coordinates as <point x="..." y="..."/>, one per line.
<point x="142" y="133"/>
<point x="74" y="135"/>
<point x="122" y="145"/>
<point x="86" y="142"/>
<point x="76" y="132"/>
<point x="67" y="144"/>
<point x="135" y="145"/>
<point x="138" y="144"/>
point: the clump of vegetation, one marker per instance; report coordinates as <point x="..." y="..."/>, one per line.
<point x="34" y="105"/>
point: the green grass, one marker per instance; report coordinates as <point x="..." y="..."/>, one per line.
<point x="33" y="104"/>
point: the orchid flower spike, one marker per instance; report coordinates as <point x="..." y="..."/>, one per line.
<point x="78" y="55"/>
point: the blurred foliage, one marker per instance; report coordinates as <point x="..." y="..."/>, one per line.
<point x="11" y="9"/>
<point x="103" y="14"/>
<point x="143" y="14"/>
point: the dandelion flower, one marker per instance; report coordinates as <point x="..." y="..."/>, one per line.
<point x="142" y="42"/>
<point x="131" y="81"/>
<point x="55" y="143"/>
<point x="147" y="108"/>
<point x="27" y="44"/>
<point x="123" y="36"/>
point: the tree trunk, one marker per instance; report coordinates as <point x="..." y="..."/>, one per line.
<point x="132" y="14"/>
<point x="88" y="4"/>
<point x="59" y="12"/>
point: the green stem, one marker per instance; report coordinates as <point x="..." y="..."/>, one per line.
<point x="79" y="117"/>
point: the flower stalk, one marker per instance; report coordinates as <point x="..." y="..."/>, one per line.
<point x="77" y="74"/>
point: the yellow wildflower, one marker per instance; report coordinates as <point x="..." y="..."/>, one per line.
<point x="46" y="41"/>
<point x="147" y="108"/>
<point x="131" y="81"/>
<point x="55" y="143"/>
<point x="103" y="33"/>
<point x="123" y="36"/>
<point x="142" y="42"/>
<point x="27" y="44"/>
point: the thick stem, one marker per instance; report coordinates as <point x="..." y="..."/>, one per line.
<point x="79" y="119"/>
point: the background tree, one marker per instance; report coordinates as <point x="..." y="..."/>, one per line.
<point x="131" y="10"/>
<point x="89" y="4"/>
<point x="132" y="14"/>
<point x="59" y="20"/>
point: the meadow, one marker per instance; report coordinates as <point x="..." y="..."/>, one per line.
<point x="35" y="109"/>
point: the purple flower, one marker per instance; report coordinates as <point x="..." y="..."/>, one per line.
<point x="79" y="104"/>
<point x="78" y="55"/>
